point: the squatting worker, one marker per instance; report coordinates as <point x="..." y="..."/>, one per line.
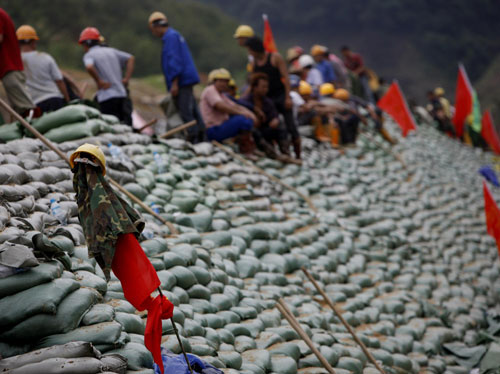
<point x="274" y="66"/>
<point x="180" y="73"/>
<point x="45" y="81"/>
<point x="105" y="65"/>
<point x="11" y="67"/>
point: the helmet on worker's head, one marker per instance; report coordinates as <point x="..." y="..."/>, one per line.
<point x="306" y="61"/>
<point x="219" y="74"/>
<point x="232" y="83"/>
<point x="326" y="89"/>
<point x="89" y="33"/>
<point x="157" y="16"/>
<point x="90" y="149"/>
<point x="243" y="31"/>
<point x="293" y="53"/>
<point x="317" y="50"/>
<point x="341" y="94"/>
<point x="305" y="88"/>
<point x="439" y="91"/>
<point x="26" y="32"/>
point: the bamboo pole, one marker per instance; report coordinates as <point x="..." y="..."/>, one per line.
<point x="263" y="172"/>
<point x="178" y="129"/>
<point x="49" y="144"/>
<point x="149" y="124"/>
<point x="344" y="322"/>
<point x="283" y="308"/>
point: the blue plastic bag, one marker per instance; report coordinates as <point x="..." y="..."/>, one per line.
<point x="176" y="364"/>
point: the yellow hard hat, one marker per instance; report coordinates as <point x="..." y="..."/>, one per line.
<point x="326" y="89"/>
<point x="156" y="16"/>
<point x="232" y="83"/>
<point x="342" y="94"/>
<point x="26" y="32"/>
<point x="243" y="31"/>
<point x="305" y="88"/>
<point x="94" y="151"/>
<point x="439" y="91"/>
<point x="219" y="74"/>
<point x="317" y="50"/>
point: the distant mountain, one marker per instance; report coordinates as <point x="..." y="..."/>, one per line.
<point x="418" y="42"/>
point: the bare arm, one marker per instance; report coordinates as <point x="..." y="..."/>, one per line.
<point x="72" y="84"/>
<point x="62" y="87"/>
<point x="129" y="70"/>
<point x="281" y="65"/>
<point x="235" y="110"/>
<point x="93" y="73"/>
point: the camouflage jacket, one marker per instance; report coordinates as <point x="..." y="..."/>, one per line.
<point x="102" y="214"/>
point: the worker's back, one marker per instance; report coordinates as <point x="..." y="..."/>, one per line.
<point x="42" y="72"/>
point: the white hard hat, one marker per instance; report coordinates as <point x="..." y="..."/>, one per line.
<point x="305" y="60"/>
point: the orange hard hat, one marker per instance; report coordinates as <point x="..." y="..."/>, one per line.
<point x="89" y="33"/>
<point x="317" y="50"/>
<point x="26" y="32"/>
<point x="341" y="94"/>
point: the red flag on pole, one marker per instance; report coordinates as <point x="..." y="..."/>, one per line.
<point x="488" y="132"/>
<point x="394" y="103"/>
<point x="463" y="100"/>
<point x="492" y="215"/>
<point x="268" y="40"/>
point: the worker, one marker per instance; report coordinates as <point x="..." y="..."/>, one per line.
<point x="223" y="117"/>
<point x="354" y="62"/>
<point x="233" y="89"/>
<point x="12" y="69"/>
<point x="445" y="104"/>
<point x="104" y="65"/>
<point x="310" y="73"/>
<point x="347" y="119"/>
<point x="274" y="66"/>
<point x="268" y="128"/>
<point x="45" y="81"/>
<point x="180" y="73"/>
<point x="323" y="63"/>
<point x="242" y="33"/>
<point x="292" y="58"/>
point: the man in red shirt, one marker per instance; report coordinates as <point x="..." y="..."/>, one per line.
<point x="354" y="62"/>
<point x="11" y="67"/>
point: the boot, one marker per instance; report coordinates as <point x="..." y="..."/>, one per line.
<point x="334" y="135"/>
<point x="386" y="136"/>
<point x="247" y="145"/>
<point x="319" y="129"/>
<point x="296" y="147"/>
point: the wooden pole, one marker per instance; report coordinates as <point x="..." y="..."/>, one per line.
<point x="149" y="124"/>
<point x="263" y="172"/>
<point x="178" y="129"/>
<point x="283" y="308"/>
<point x="49" y="144"/>
<point x="344" y="322"/>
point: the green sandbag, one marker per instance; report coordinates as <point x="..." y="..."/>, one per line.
<point x="80" y="365"/>
<point x="98" y="313"/>
<point x="40" y="299"/>
<point x="68" y="317"/>
<point x="87" y="279"/>
<point x="185" y="278"/>
<point x="76" y="131"/>
<point x="136" y="190"/>
<point x="110" y="119"/>
<point x="42" y="273"/>
<point x="131" y="323"/>
<point x="64" y="116"/>
<point x="137" y="355"/>
<point x="101" y="333"/>
<point x="10" y="350"/>
<point x="11" y="131"/>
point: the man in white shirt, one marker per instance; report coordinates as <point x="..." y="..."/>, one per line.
<point x="44" y="79"/>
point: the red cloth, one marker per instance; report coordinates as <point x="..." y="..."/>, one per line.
<point x="488" y="132"/>
<point x="10" y="54"/>
<point x="394" y="103"/>
<point x="139" y="280"/>
<point x="492" y="215"/>
<point x="463" y="101"/>
<point x="268" y="39"/>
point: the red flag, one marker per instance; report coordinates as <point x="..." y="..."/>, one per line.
<point x="488" y="132"/>
<point x="492" y="215"/>
<point x="269" y="44"/>
<point x="463" y="101"/>
<point x="139" y="279"/>
<point x="394" y="103"/>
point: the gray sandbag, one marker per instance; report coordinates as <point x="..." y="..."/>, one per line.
<point x="80" y="365"/>
<point x="40" y="299"/>
<point x="68" y="350"/>
<point x="68" y="317"/>
<point x="11" y="173"/>
<point x="87" y="279"/>
<point x="115" y="363"/>
<point x="43" y="273"/>
<point x="137" y="355"/>
<point x="98" y="334"/>
<point x="17" y="256"/>
<point x="131" y="323"/>
<point x="98" y="313"/>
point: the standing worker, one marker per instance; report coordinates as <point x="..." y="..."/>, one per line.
<point x="323" y="63"/>
<point x="44" y="79"/>
<point x="11" y="67"/>
<point x="180" y="73"/>
<point x="354" y="62"/>
<point x="274" y="66"/>
<point x="105" y="65"/>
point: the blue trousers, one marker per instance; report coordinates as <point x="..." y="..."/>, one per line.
<point x="188" y="109"/>
<point x="230" y="128"/>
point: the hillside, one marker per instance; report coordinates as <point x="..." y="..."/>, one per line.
<point x="417" y="42"/>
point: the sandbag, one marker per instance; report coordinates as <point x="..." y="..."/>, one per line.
<point x="11" y="131"/>
<point x="68" y="115"/>
<point x="80" y="365"/>
<point x="76" y="131"/>
<point x="98" y="313"/>
<point x="11" y="173"/>
<point x="137" y="355"/>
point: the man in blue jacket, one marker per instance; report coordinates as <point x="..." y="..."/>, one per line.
<point x="180" y="73"/>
